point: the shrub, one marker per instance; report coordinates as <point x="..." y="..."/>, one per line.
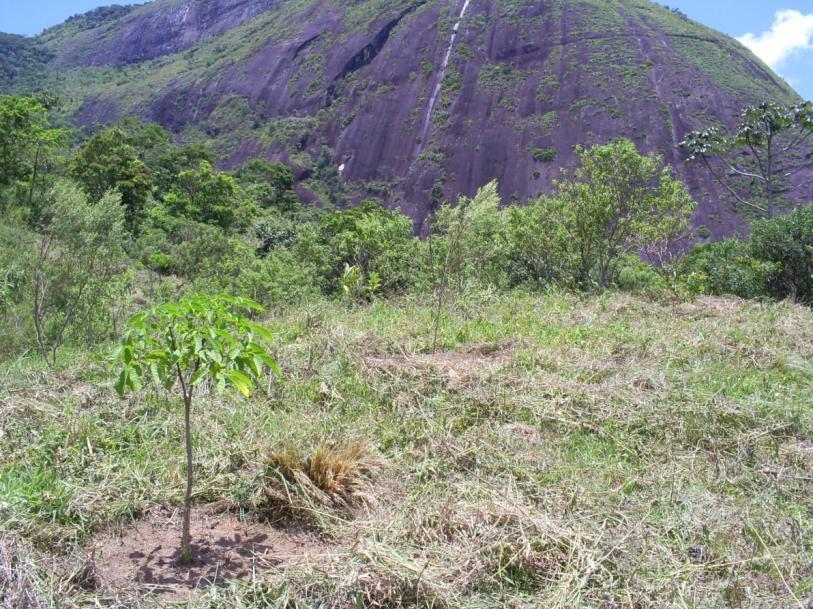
<point x="470" y="240"/>
<point x="182" y="246"/>
<point x="377" y="241"/>
<point x="16" y="253"/>
<point x="618" y="202"/>
<point x="79" y="255"/>
<point x="725" y="268"/>
<point x="787" y="244"/>
<point x="278" y="278"/>
<point x="537" y="247"/>
<point x="544" y="155"/>
<point x="637" y="276"/>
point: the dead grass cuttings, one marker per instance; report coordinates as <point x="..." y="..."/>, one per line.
<point x="333" y="475"/>
<point x="470" y="363"/>
<point x="501" y="545"/>
<point x="371" y="574"/>
<point x="31" y="581"/>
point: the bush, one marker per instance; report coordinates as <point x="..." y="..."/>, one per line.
<point x="637" y="276"/>
<point x="279" y="278"/>
<point x="79" y="261"/>
<point x="16" y="252"/>
<point x="544" y="155"/>
<point x="180" y="246"/>
<point x="725" y="268"/>
<point x="537" y="246"/>
<point x="618" y="203"/>
<point x="787" y="244"/>
<point x="377" y="241"/>
<point x="471" y="240"/>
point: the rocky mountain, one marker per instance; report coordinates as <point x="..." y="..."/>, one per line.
<point x="410" y="101"/>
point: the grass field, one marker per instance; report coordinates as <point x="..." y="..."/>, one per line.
<point x="555" y="452"/>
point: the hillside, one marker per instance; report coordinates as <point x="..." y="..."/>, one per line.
<point x="411" y="102"/>
<point x="553" y="453"/>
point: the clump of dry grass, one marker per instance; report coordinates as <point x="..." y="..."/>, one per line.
<point x="17" y="588"/>
<point x="332" y="475"/>
<point x="28" y="583"/>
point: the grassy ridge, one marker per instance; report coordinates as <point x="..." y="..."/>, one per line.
<point x="556" y="453"/>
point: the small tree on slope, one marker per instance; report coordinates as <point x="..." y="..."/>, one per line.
<point x="201" y="338"/>
<point x="765" y="161"/>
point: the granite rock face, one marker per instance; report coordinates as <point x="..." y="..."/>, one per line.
<point x="417" y="100"/>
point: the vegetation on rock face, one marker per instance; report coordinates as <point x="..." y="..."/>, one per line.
<point x="22" y="62"/>
<point x="526" y="70"/>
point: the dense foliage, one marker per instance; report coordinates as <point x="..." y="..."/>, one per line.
<point x="96" y="222"/>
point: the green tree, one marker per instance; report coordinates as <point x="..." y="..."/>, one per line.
<point x="787" y="243"/>
<point x="618" y="202"/>
<point x="765" y="160"/>
<point x="167" y="166"/>
<point x="106" y="161"/>
<point x="27" y="141"/>
<point x="271" y="185"/>
<point x="376" y="241"/>
<point x="150" y="140"/>
<point x="205" y="195"/>
<point x="184" y="344"/>
<point x="78" y="255"/>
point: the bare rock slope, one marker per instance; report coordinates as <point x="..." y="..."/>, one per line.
<point x="414" y="100"/>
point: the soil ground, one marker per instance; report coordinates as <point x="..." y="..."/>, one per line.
<point x="145" y="557"/>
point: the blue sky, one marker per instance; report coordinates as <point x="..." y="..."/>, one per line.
<point x="781" y="30"/>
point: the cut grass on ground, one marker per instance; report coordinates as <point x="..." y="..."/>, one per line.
<point x="558" y="452"/>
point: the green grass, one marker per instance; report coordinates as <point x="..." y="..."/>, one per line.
<point x="558" y="452"/>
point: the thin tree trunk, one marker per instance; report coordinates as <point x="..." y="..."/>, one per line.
<point x="186" y="536"/>
<point x="441" y="288"/>
<point x="33" y="179"/>
<point x="770" y="178"/>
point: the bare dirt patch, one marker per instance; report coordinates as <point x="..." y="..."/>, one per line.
<point x="145" y="557"/>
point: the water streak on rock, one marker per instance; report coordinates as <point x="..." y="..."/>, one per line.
<point x="433" y="100"/>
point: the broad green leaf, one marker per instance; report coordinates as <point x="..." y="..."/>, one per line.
<point x="241" y="382"/>
<point x="264" y="332"/>
<point x="122" y="382"/>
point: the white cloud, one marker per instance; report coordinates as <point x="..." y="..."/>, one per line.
<point x="792" y="31"/>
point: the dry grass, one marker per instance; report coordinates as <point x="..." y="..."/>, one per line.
<point x="617" y="453"/>
<point x="334" y="475"/>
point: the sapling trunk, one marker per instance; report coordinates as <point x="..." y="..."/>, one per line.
<point x="186" y="536"/>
